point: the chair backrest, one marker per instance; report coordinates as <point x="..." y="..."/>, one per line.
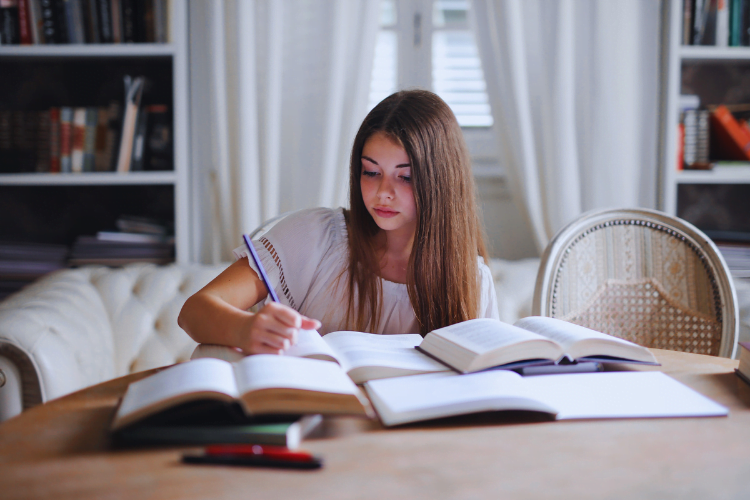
<point x="641" y="275"/>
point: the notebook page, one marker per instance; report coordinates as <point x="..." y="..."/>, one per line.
<point x="267" y="371"/>
<point x="356" y="349"/>
<point x="620" y="395"/>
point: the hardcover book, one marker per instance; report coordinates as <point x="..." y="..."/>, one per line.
<point x="564" y="397"/>
<point x="363" y="356"/>
<point x="260" y="385"/>
<point x="478" y="344"/>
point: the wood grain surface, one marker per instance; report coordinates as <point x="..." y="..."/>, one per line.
<point x="61" y="450"/>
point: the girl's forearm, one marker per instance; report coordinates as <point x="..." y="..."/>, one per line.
<point x="208" y="319"/>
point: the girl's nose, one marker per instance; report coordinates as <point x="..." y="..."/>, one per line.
<point x="385" y="189"/>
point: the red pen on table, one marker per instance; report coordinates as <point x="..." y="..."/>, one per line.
<point x="255" y="455"/>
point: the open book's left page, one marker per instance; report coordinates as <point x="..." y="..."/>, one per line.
<point x="202" y="378"/>
<point x="268" y="383"/>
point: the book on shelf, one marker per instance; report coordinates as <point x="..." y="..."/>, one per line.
<point x="118" y="252"/>
<point x="42" y="141"/>
<point x="478" y="344"/>
<point x="260" y="384"/>
<point x="732" y="140"/>
<point x="743" y="369"/>
<point x="66" y="137"/>
<point x="83" y="21"/>
<point x="363" y="356"/>
<point x="133" y="94"/>
<point x="208" y="423"/>
<point x="564" y="397"/>
<point x="78" y="134"/>
<point x="89" y="138"/>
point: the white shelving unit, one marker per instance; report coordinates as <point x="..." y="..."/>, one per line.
<point x="675" y="58"/>
<point x="176" y="51"/>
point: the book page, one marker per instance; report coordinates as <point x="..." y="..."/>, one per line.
<point x="482" y="335"/>
<point x="620" y="395"/>
<point x="357" y="349"/>
<point x="197" y="376"/>
<point x="310" y="343"/>
<point x="268" y="371"/>
<point x="564" y="333"/>
<point x="421" y="397"/>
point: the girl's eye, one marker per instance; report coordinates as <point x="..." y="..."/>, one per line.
<point x="406" y="178"/>
<point x="369" y="173"/>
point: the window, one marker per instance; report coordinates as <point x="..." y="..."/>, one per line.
<point x="429" y="44"/>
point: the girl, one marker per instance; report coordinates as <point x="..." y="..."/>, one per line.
<point x="408" y="256"/>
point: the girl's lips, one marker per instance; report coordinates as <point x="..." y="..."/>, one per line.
<point x="385" y="213"/>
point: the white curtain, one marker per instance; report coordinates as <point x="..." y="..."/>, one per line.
<point x="573" y="86"/>
<point x="278" y="90"/>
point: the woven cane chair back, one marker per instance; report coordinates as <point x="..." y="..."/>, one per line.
<point x="643" y="276"/>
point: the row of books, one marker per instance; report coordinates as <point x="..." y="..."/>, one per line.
<point x="135" y="239"/>
<point x="86" y="139"/>
<point x="32" y="22"/>
<point x="710" y="136"/>
<point x="723" y="23"/>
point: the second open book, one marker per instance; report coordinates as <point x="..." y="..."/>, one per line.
<point x="469" y="346"/>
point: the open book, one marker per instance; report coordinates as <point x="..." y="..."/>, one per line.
<point x="261" y="384"/>
<point x="571" y="396"/>
<point x="363" y="356"/>
<point x="478" y="344"/>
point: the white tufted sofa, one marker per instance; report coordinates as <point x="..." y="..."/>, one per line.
<point x="79" y="327"/>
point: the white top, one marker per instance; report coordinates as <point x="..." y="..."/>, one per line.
<point x="304" y="254"/>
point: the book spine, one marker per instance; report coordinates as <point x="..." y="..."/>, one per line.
<point x="66" y="134"/>
<point x="105" y="21"/>
<point x="690" y="125"/>
<point x="91" y="20"/>
<point x="77" y="141"/>
<point x="43" y="141"/>
<point x="735" y="142"/>
<point x="116" y="13"/>
<point x="128" y="20"/>
<point x="722" y="23"/>
<point x="61" y="21"/>
<point x="160" y="21"/>
<point x="139" y="141"/>
<point x="9" y="22"/>
<point x="54" y="140"/>
<point x="680" y="146"/>
<point x="89" y="140"/>
<point x="24" y="23"/>
<point x="35" y="21"/>
<point x="745" y="24"/>
<point x="114" y="121"/>
<point x="158" y="154"/>
<point x="100" y="141"/>
<point x="702" y="138"/>
<point x="49" y="21"/>
<point x="687" y="21"/>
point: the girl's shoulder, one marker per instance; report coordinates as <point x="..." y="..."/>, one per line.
<point x="313" y="224"/>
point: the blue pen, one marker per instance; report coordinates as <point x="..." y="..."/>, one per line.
<point x="263" y="275"/>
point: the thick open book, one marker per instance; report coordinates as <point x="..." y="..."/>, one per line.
<point x="364" y="356"/>
<point x="479" y="344"/>
<point x="570" y="396"/>
<point x="261" y="384"/>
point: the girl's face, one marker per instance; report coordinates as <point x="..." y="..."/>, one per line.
<point x="386" y="185"/>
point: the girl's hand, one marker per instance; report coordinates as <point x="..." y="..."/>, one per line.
<point x="274" y="329"/>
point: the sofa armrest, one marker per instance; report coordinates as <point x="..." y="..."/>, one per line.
<point x="57" y="334"/>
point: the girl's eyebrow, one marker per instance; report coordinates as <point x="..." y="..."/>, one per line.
<point x="403" y="165"/>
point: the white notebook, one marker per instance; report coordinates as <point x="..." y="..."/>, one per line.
<point x="571" y="396"/>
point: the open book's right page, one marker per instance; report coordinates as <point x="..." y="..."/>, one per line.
<point x="580" y="342"/>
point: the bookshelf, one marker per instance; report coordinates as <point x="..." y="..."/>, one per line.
<point x="718" y="75"/>
<point x="42" y="76"/>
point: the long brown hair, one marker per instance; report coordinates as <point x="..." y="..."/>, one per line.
<point x="442" y="277"/>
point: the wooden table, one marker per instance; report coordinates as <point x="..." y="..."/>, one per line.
<point x="61" y="450"/>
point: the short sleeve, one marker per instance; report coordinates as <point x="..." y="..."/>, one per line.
<point x="291" y="252"/>
<point x="488" y="304"/>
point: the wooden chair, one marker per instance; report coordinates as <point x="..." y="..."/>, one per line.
<point x="641" y="275"/>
